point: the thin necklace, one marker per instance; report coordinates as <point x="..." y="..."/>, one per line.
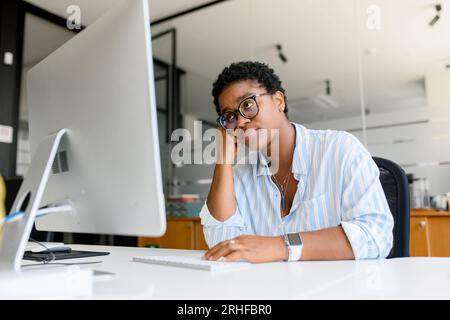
<point x="283" y="188"/>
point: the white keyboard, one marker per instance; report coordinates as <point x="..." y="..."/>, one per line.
<point x="192" y="263"/>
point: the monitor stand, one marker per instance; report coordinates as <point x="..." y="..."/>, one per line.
<point x="16" y="234"/>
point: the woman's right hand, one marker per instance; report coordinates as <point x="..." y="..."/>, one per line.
<point x="227" y="146"/>
<point x="221" y="198"/>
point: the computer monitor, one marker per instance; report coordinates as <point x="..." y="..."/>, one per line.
<point x="93" y="135"/>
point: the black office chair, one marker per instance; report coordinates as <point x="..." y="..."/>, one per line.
<point x="395" y="185"/>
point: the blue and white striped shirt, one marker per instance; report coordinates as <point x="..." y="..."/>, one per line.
<point x="338" y="184"/>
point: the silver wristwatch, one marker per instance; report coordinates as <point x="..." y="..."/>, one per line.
<point x="294" y="246"/>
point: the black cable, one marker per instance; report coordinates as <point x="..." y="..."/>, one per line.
<point x="50" y="262"/>
<point x="44" y="260"/>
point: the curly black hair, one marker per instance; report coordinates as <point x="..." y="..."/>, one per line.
<point x="247" y="70"/>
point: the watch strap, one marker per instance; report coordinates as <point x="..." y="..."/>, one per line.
<point x="295" y="251"/>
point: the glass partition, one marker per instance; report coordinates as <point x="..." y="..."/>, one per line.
<point x="406" y="76"/>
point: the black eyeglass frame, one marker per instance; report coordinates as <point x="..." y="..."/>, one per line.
<point x="238" y="110"/>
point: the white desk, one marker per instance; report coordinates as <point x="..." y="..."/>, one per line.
<point x="406" y="278"/>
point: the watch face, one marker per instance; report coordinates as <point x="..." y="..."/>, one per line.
<point x="294" y="239"/>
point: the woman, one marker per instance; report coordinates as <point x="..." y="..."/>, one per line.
<point x="317" y="198"/>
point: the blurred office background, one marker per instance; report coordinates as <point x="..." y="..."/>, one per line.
<point x="379" y="69"/>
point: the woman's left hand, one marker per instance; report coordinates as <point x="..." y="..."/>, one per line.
<point x="250" y="248"/>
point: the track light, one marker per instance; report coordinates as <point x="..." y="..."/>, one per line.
<point x="280" y="53"/>
<point x="435" y="19"/>
<point x="328" y="88"/>
<point x="326" y="101"/>
<point x="319" y="100"/>
<point x="438" y="8"/>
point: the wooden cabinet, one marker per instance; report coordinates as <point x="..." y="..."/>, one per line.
<point x="181" y="233"/>
<point x="419" y="245"/>
<point x="429" y="233"/>
<point x="200" y="243"/>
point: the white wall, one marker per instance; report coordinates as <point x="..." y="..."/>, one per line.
<point x="437" y="86"/>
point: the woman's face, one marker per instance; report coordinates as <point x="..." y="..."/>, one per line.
<point x="258" y="132"/>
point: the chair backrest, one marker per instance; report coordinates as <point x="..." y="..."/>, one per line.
<point x="395" y="185"/>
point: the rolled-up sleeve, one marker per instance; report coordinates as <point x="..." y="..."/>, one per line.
<point x="366" y="217"/>
<point x="216" y="231"/>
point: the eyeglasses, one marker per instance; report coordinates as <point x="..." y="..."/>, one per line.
<point x="248" y="108"/>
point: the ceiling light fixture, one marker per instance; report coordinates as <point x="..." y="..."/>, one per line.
<point x="438" y="8"/>
<point x="320" y="100"/>
<point x="280" y="53"/>
<point x="326" y="101"/>
<point x="328" y="87"/>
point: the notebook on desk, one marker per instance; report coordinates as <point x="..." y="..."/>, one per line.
<point x="61" y="255"/>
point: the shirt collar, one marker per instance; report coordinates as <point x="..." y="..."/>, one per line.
<point x="262" y="168"/>
<point x="301" y="159"/>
